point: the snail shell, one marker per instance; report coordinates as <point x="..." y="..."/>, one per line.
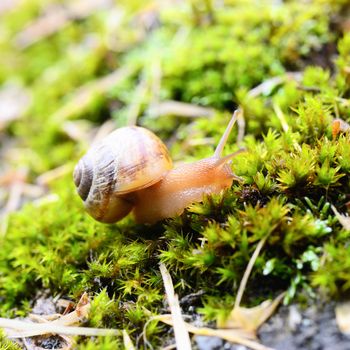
<point x="127" y="160"/>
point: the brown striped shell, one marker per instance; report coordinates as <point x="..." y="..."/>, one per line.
<point x="127" y="160"/>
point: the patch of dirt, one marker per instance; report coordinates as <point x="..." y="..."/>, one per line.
<point x="314" y="328"/>
<point x="291" y="328"/>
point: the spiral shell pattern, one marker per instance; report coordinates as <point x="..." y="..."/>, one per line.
<point x="128" y="159"/>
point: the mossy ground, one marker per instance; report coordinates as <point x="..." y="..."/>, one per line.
<point x="205" y="54"/>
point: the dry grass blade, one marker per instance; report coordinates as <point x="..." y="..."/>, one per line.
<point x="14" y="101"/>
<point x="248" y="271"/>
<point x="54" y="174"/>
<point x="181" y="334"/>
<point x="85" y="95"/>
<point x="231" y="335"/>
<point x="128" y="344"/>
<point x="85" y="133"/>
<point x="56" y="18"/>
<point x="181" y="109"/>
<point x="241" y="126"/>
<point x="78" y="130"/>
<point x="137" y="100"/>
<point x="266" y="87"/>
<point x="156" y="82"/>
<point x="7" y="5"/>
<point x="342" y="316"/>
<point x="21" y="329"/>
<point x="78" y="315"/>
<point x="344" y="220"/>
<point x="281" y="117"/>
<point x="250" y="319"/>
<point x="14" y="199"/>
<point x="169" y="347"/>
<point x="62" y="325"/>
<point x="106" y="128"/>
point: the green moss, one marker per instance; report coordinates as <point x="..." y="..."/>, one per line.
<point x="333" y="276"/>
<point x="6" y="344"/>
<point x="105" y="343"/>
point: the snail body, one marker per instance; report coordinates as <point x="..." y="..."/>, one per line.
<point x="131" y="170"/>
<point x="172" y="194"/>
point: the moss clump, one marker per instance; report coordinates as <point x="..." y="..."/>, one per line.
<point x="6" y="344"/>
<point x="294" y="168"/>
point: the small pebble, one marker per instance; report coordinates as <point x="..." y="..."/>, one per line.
<point x="209" y="343"/>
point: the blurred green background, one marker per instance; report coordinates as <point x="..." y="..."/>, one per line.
<point x="66" y="66"/>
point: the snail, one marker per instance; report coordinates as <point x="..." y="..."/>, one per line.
<point x="131" y="170"/>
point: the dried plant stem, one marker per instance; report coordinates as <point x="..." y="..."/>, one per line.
<point x="139" y="97"/>
<point x="54" y="174"/>
<point x="344" y="220"/>
<point x="26" y="329"/>
<point x="85" y="95"/>
<point x="248" y="271"/>
<point x="281" y="117"/>
<point x="241" y="126"/>
<point x="181" y="334"/>
<point x="232" y="335"/>
<point x="128" y="344"/>
<point x="57" y="18"/>
<point x="181" y="109"/>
